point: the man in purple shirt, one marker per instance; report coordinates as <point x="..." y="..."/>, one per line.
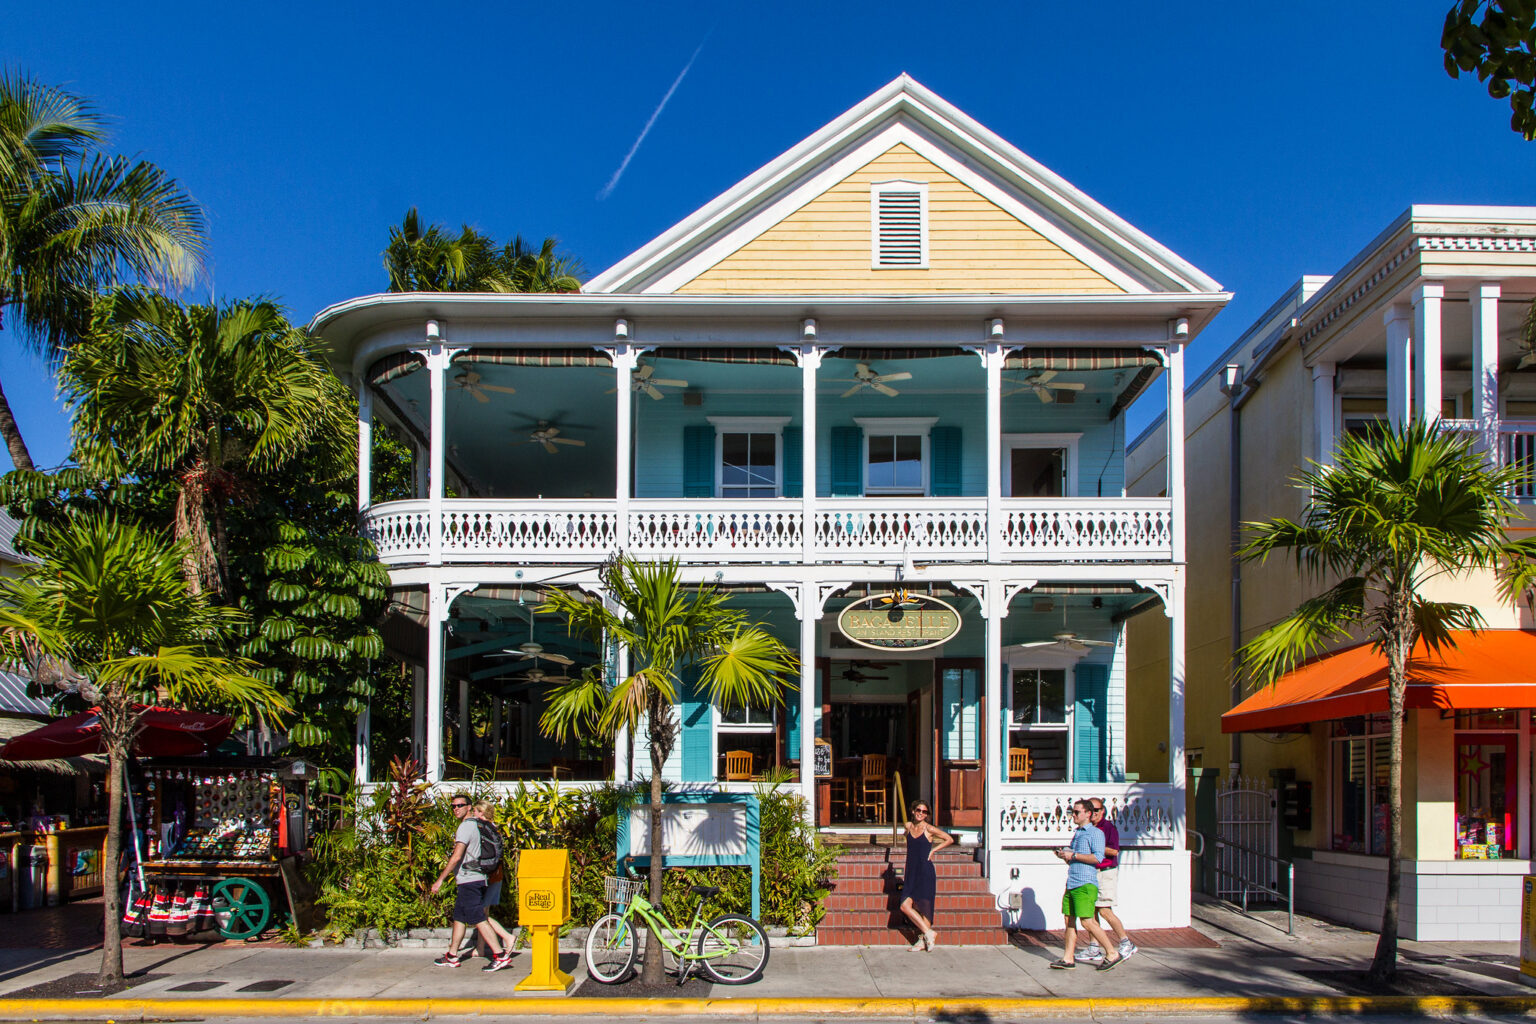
<point x="1108" y="884"/>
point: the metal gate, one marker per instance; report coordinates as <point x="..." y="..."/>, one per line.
<point x="1247" y="831"/>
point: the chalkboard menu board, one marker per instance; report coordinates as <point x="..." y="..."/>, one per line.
<point x="823" y="759"/>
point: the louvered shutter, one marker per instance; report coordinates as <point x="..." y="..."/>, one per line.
<point x="793" y="462"/>
<point x="699" y="461"/>
<point x="1089" y="721"/>
<point x="696" y="732"/>
<point x="899" y="228"/>
<point x="944" y="450"/>
<point x="847" y="461"/>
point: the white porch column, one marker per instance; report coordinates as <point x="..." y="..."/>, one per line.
<point x="1176" y="503"/>
<point x="437" y="621"/>
<point x="1485" y="367"/>
<point x="362" y="767"/>
<point x="1426" y="350"/>
<point x="1326" y="428"/>
<point x="810" y="362"/>
<point x="1176" y="771"/>
<point x="992" y="364"/>
<point x="438" y="357"/>
<point x="625" y="358"/>
<point x="364" y="447"/>
<point x="994" y="755"/>
<point x="1399" y="363"/>
<point x="809" y="609"/>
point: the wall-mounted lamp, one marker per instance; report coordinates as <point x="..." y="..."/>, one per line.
<point x="808" y="329"/>
<point x="1231" y="379"/>
<point x="1181" y="328"/>
<point x="433" y="333"/>
<point x="995" y="329"/>
<point x="621" y="330"/>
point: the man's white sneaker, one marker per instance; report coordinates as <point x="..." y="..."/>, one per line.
<point x="1091" y="954"/>
<point x="1129" y="948"/>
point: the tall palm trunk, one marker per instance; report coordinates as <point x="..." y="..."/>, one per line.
<point x="199" y="564"/>
<point x="111" y="976"/>
<point x="1384" y="964"/>
<point x="20" y="457"/>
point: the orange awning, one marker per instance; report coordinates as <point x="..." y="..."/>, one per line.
<point x="1492" y="669"/>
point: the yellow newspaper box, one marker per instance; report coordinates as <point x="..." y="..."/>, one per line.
<point x="543" y="906"/>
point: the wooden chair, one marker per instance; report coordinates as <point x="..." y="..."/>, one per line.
<point x="506" y="764"/>
<point x="1020" y="765"/>
<point x="738" y="765"/>
<point x="874" y="786"/>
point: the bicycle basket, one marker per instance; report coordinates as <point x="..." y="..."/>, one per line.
<point x="622" y="890"/>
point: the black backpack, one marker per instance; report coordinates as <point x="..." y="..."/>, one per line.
<point x="491" y="847"/>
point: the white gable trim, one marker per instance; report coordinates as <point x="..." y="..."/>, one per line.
<point x="875" y="146"/>
<point x="1168" y="272"/>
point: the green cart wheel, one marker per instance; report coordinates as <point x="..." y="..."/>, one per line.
<point x="241" y="907"/>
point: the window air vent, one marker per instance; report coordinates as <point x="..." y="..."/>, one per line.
<point x="900" y="215"/>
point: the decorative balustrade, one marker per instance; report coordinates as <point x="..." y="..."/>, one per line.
<point x="1515" y="442"/>
<point x="1040" y="814"/>
<point x="714" y="530"/>
<point x="766" y="530"/>
<point x="1072" y="529"/>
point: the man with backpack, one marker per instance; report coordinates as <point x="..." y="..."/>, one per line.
<point x="474" y="855"/>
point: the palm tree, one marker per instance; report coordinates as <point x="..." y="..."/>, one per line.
<point x="666" y="628"/>
<point x="208" y="394"/>
<point x="73" y="222"/>
<point x="1398" y="509"/>
<point x="432" y="260"/>
<point x="106" y="613"/>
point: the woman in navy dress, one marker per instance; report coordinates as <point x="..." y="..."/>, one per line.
<point x="919" y="879"/>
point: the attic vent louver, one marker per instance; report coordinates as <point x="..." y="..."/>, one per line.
<point x="899" y="222"/>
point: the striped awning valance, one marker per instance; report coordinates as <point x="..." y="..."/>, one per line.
<point x="1088" y="589"/>
<point x="754" y="356"/>
<point x="534" y="357"/>
<point x="1134" y="389"/>
<point x="393" y="367"/>
<point x="1081" y="358"/>
<point x="869" y="355"/>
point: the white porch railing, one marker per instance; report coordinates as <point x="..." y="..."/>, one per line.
<point x="1040" y="813"/>
<point x="715" y="530"/>
<point x="1516" y="446"/>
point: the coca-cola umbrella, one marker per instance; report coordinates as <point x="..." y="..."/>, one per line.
<point x="162" y="732"/>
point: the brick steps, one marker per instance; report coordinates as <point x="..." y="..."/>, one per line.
<point x="863" y="907"/>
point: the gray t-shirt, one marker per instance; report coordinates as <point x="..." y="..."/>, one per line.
<point x="469" y="834"/>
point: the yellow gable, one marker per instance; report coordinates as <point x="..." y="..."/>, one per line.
<point x="974" y="246"/>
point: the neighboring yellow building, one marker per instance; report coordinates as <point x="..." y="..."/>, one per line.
<point x="1425" y="320"/>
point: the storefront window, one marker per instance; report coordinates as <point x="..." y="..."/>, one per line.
<point x="1360" y="805"/>
<point x="1485" y="795"/>
<point x="1039" y="720"/>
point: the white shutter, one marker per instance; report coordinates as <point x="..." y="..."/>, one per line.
<point x="899" y="223"/>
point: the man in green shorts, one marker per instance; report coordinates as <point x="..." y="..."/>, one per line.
<point x="1083" y="858"/>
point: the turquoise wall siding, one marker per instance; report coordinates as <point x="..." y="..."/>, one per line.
<point x="659" y="435"/>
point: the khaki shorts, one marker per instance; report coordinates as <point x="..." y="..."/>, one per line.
<point x="1109" y="882"/>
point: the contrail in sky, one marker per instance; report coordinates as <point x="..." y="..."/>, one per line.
<point x="607" y="189"/>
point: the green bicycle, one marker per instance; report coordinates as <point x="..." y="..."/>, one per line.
<point x="732" y="948"/>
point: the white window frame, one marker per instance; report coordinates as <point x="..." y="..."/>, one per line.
<point x="750" y="425"/>
<point x="906" y="426"/>
<point x="878" y="189"/>
<point x="1069" y="441"/>
<point x="1026" y="658"/>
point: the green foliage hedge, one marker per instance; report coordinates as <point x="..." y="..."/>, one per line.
<point x="376" y="869"/>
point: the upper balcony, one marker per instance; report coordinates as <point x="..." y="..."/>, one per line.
<point x="777" y="530"/>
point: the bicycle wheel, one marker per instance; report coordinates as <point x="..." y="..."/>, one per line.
<point x="610" y="950"/>
<point x="734" y="949"/>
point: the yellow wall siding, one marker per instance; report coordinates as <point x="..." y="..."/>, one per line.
<point x="973" y="245"/>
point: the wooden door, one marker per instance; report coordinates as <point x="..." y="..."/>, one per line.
<point x="959" y="750"/>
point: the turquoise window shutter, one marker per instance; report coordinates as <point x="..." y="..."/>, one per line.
<point x="794" y="472"/>
<point x="792" y="723"/>
<point x="944" y="451"/>
<point x="695" y="736"/>
<point x="847" y="461"/>
<point x="1089" y="720"/>
<point x="699" y="461"/>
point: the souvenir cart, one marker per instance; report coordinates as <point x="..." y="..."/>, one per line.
<point x="221" y="837"/>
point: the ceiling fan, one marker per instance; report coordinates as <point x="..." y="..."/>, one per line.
<point x="538" y="675"/>
<point x="865" y="377"/>
<point x="532" y="651"/>
<point x="548" y="435"/>
<point x="1043" y="384"/>
<point x="1068" y="639"/>
<point x="641" y="379"/>
<point x="854" y="676"/>
<point x="470" y="381"/>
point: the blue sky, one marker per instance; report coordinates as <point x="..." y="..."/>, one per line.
<point x="1258" y="141"/>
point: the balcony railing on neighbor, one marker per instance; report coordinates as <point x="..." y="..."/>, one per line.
<point x="1515" y="442"/>
<point x="773" y="530"/>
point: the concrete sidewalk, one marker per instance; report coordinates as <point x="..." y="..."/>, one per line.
<point x="1254" y="961"/>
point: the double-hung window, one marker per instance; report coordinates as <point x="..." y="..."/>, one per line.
<point x="749" y="456"/>
<point x="896" y="459"/>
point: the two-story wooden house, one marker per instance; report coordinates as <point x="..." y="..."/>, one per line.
<point x="899" y="356"/>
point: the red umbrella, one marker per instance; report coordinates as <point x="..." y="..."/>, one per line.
<point x="163" y="732"/>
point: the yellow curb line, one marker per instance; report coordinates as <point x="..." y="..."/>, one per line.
<point x="130" y="1008"/>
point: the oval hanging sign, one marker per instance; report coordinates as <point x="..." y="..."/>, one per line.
<point x="899" y="621"/>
